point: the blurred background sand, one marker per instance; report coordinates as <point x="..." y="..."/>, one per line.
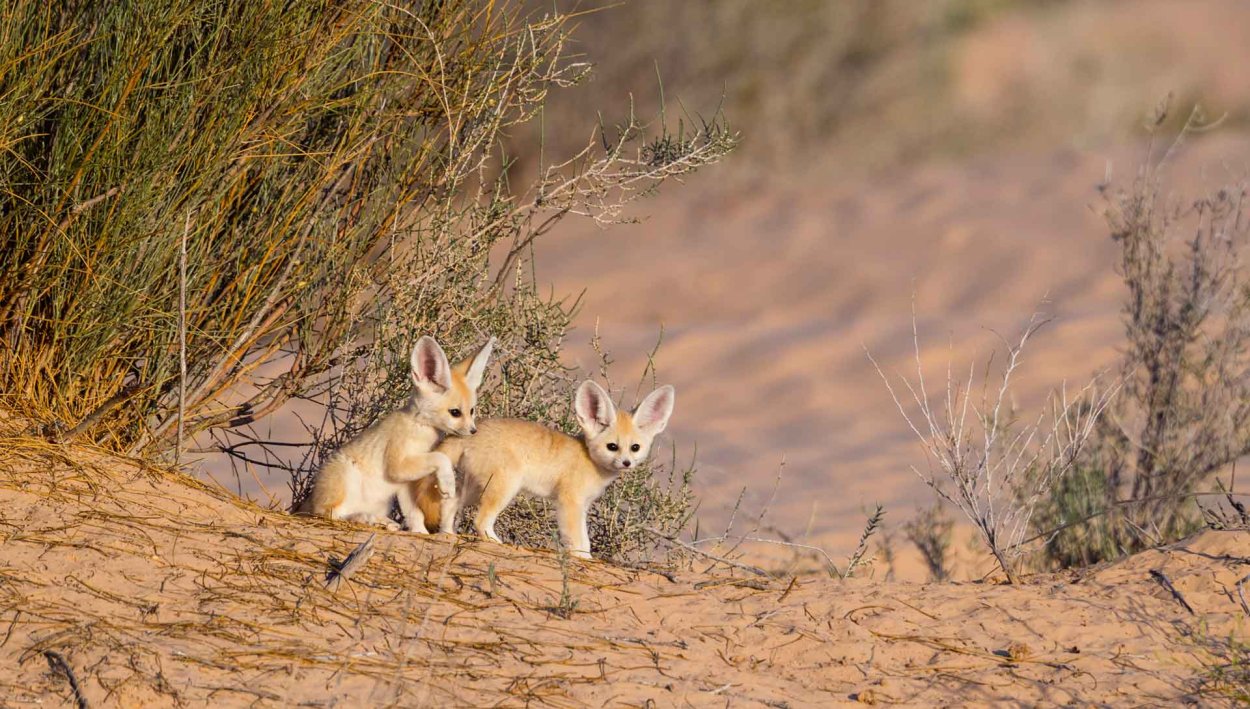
<point x="946" y="150"/>
<point x="951" y="150"/>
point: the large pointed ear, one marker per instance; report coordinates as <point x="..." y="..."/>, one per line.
<point x="652" y="414"/>
<point x="429" y="365"/>
<point x="474" y="369"/>
<point x="594" y="408"/>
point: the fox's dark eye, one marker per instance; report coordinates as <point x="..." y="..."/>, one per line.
<point x="613" y="447"/>
<point x="473" y="411"/>
<point x="635" y="448"/>
<point x="455" y="413"/>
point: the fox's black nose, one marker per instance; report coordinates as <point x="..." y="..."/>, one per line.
<point x="473" y="430"/>
<point x="625" y="463"/>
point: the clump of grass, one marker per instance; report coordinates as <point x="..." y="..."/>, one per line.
<point x="1079" y="528"/>
<point x="566" y="606"/>
<point x="1225" y="674"/>
<point x="870" y="528"/>
<point x="931" y="531"/>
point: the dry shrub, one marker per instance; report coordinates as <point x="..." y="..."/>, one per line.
<point x="1184" y="413"/>
<point x="1228" y="514"/>
<point x="998" y="465"/>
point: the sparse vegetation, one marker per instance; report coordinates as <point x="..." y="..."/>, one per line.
<point x="566" y="606"/>
<point x="1000" y="466"/>
<point x="216" y="212"/>
<point x="1225" y="675"/>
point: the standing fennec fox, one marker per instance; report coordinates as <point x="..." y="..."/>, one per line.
<point x="360" y="479"/>
<point x="508" y="456"/>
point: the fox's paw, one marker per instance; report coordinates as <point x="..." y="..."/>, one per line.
<point x="446" y="487"/>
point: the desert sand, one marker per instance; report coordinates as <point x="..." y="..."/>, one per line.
<point x="157" y="590"/>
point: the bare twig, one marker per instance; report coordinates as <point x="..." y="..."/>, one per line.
<point x="745" y="583"/>
<point x="85" y="205"/>
<point x="57" y="663"/>
<point x="101" y="411"/>
<point x="1166" y="583"/>
<point x="693" y="549"/>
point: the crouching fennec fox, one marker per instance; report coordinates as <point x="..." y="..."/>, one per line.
<point x="360" y="479"/>
<point x="508" y="456"/>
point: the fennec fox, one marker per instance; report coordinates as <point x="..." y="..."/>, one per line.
<point x="360" y="479"/>
<point x="508" y="456"/>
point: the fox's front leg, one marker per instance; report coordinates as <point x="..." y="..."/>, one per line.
<point x="571" y="519"/>
<point x="448" y="508"/>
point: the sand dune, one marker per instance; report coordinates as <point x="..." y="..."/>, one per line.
<point x="157" y="591"/>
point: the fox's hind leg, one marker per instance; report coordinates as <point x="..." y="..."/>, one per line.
<point x="497" y="495"/>
<point x="329" y="490"/>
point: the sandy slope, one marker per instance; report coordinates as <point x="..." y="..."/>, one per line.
<point x="158" y="592"/>
<point x="769" y="289"/>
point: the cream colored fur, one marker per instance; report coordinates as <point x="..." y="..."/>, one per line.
<point x="360" y="479"/>
<point x="509" y="456"/>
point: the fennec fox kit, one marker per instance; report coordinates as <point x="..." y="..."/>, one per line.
<point x="508" y="456"/>
<point x="360" y="479"/>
